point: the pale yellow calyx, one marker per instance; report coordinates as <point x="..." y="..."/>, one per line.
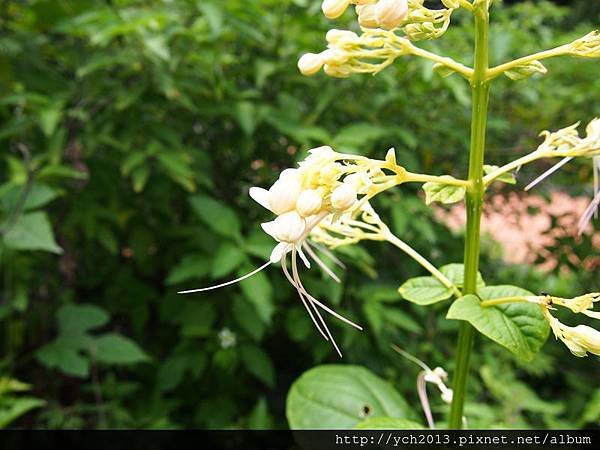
<point x="334" y="8"/>
<point x="309" y="203"/>
<point x="283" y="194"/>
<point x="288" y="227"/>
<point x="310" y="63"/>
<point x="391" y="13"/>
<point x="343" y="197"/>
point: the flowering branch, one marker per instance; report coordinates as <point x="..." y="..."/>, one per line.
<point x="587" y="46"/>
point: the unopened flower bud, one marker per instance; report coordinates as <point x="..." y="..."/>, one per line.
<point x="334" y="8"/>
<point x="343" y="197"/>
<point x="283" y="195"/>
<point x="391" y="13"/>
<point x="310" y="63"/>
<point x="289" y="227"/>
<point x="366" y="16"/>
<point x="287" y="173"/>
<point x="334" y="57"/>
<point x="593" y="128"/>
<point x="341" y="37"/>
<point x="309" y="203"/>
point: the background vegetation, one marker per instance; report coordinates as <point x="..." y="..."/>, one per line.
<point x="131" y="131"/>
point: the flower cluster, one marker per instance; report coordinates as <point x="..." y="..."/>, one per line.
<point x="326" y="188"/>
<point x="348" y="53"/>
<point x="580" y="339"/>
<point x="378" y="46"/>
<point x="587" y="46"/>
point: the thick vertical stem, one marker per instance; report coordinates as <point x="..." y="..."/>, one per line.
<point x="480" y="92"/>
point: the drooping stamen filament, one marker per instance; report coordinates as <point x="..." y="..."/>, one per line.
<point x="321" y="264"/>
<point x="548" y="172"/>
<point x="227" y="283"/>
<point x="588" y="214"/>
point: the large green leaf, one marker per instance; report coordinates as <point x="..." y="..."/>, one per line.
<point x="77" y="319"/>
<point x="388" y="423"/>
<point x="424" y="291"/>
<point x="32" y="231"/>
<point x="340" y="397"/>
<point x="112" y="348"/>
<point x="520" y="327"/>
<point x="217" y="216"/>
<point x="11" y="408"/>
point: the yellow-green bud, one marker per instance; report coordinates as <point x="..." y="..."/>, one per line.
<point x="366" y="16"/>
<point x="334" y="8"/>
<point x="310" y="63"/>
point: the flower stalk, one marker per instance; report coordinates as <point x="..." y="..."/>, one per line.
<point x="480" y="88"/>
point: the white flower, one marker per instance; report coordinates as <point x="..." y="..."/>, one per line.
<point x="334" y="8"/>
<point x="310" y="63"/>
<point x="579" y="340"/>
<point x="391" y="13"/>
<point x="343" y="197"/>
<point x="227" y="338"/>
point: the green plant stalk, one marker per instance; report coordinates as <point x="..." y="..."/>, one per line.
<point x="480" y="95"/>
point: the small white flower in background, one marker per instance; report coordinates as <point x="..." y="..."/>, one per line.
<point x="325" y="188"/>
<point x="437" y="376"/>
<point x="227" y="338"/>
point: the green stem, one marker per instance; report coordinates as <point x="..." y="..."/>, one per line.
<point x="465" y="71"/>
<point x="447" y="180"/>
<point x="480" y="92"/>
<point x="503" y="301"/>
<point x="499" y="70"/>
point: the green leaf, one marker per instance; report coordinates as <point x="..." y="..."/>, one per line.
<point x="190" y="267"/>
<point x="39" y="195"/>
<point x="227" y="258"/>
<point x="63" y="353"/>
<point x="508" y="178"/>
<point x="77" y="319"/>
<point x="520" y="327"/>
<point x="340" y="397"/>
<point x="259" y="417"/>
<point x="258" y="290"/>
<point x="32" y="231"/>
<point x="258" y="363"/>
<point x="526" y="70"/>
<point x="455" y="272"/>
<point x="12" y="408"/>
<point x="218" y="217"/>
<point x="443" y="193"/>
<point x="246" y="115"/>
<point x="388" y="423"/>
<point x="424" y="291"/>
<point x="112" y="348"/>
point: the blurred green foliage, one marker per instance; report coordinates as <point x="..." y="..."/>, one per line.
<point x="131" y="131"/>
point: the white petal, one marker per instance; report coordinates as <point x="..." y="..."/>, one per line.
<point x="279" y="252"/>
<point x="260" y="196"/>
<point x="270" y="228"/>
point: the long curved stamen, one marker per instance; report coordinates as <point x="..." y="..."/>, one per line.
<point x="227" y="283"/>
<point x="548" y="172"/>
<point x="588" y="214"/>
<point x="328" y="253"/>
<point x="305" y="301"/>
<point x="596" y="161"/>
<point x="321" y="264"/>
<point x="317" y="302"/>
<point x="302" y="290"/>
